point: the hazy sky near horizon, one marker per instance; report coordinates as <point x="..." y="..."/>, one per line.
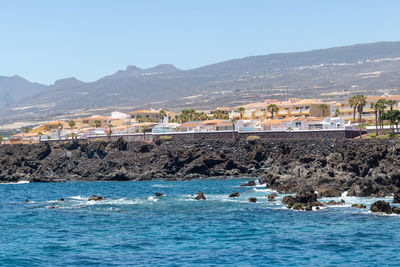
<point x="46" y="40"/>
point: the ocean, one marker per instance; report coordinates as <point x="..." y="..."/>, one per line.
<point x="133" y="227"/>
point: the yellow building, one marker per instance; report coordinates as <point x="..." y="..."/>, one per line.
<point x="368" y="116"/>
<point x="294" y="107"/>
<point x="145" y="115"/>
<point x="53" y="125"/>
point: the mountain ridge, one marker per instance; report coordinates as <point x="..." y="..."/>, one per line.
<point x="330" y="74"/>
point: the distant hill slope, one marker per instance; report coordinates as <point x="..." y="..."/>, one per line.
<point x="15" y="88"/>
<point x="333" y="73"/>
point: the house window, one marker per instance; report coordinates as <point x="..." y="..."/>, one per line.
<point x="132" y="116"/>
<point x="298" y="124"/>
<point x="147" y="116"/>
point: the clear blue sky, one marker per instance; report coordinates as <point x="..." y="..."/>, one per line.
<point x="48" y="40"/>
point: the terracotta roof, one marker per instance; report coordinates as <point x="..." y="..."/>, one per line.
<point x="145" y="111"/>
<point x="276" y="121"/>
<point x="55" y="122"/>
<point x="98" y="118"/>
<point x="375" y="98"/>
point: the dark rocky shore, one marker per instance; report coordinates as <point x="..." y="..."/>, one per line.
<point x="363" y="168"/>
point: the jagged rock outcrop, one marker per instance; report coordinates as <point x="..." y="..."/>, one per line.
<point x="330" y="167"/>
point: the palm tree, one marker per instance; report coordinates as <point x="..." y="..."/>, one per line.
<point x="393" y="116"/>
<point x="241" y="111"/>
<point x="139" y="118"/>
<point x="273" y="109"/>
<point x="162" y="114"/>
<point x="376" y="108"/>
<point x="391" y="103"/>
<point x="144" y="128"/>
<point x="233" y="128"/>
<point x="323" y="107"/>
<point x="360" y="126"/>
<point x="337" y="113"/>
<point x="59" y="129"/>
<point x="109" y="131"/>
<point x="217" y="114"/>
<point x="361" y="101"/>
<point x="40" y="136"/>
<point x="71" y="124"/>
<point x="184" y="116"/>
<point x="353" y="104"/>
<point x="381" y="110"/>
<point x="97" y="123"/>
<point x="1" y="139"/>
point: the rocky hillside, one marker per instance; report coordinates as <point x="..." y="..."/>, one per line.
<point x="331" y="167"/>
<point x="330" y="74"/>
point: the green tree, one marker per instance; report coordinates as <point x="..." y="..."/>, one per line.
<point x="241" y="110"/>
<point x="273" y="109"/>
<point x="40" y="136"/>
<point x="337" y="113"/>
<point x="59" y="130"/>
<point x="353" y="104"/>
<point x="361" y="101"/>
<point x="381" y="103"/>
<point x="375" y="106"/>
<point x="97" y="123"/>
<point x="360" y="127"/>
<point x="71" y="124"/>
<point x="391" y="103"/>
<point x="109" y="131"/>
<point x="324" y="108"/>
<point x="144" y="128"/>
<point x="1" y="139"/>
<point x="233" y="128"/>
<point x="162" y="114"/>
<point x="393" y="116"/>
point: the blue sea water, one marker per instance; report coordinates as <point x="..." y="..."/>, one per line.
<point x="132" y="227"/>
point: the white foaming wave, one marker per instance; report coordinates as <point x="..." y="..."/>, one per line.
<point x="77" y="197"/>
<point x="261" y="190"/>
<point x="152" y="199"/>
<point x="160" y="185"/>
<point x="19" y="182"/>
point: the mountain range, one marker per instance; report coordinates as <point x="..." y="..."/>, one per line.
<point x="329" y="74"/>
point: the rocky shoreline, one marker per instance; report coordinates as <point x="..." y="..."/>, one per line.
<point x="331" y="167"/>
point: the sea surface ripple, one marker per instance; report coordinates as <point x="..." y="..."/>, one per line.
<point x="133" y="227"/>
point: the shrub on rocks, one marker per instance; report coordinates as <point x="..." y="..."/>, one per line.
<point x="236" y="194"/>
<point x="166" y="138"/>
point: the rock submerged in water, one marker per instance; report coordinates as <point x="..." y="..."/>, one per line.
<point x="333" y="203"/>
<point x="271" y="197"/>
<point x="359" y="206"/>
<point x="235" y="194"/>
<point x="252" y="199"/>
<point x="305" y="199"/>
<point x="396" y="197"/>
<point x="96" y="198"/>
<point x="157" y="194"/>
<point x="381" y="206"/>
<point x="200" y="196"/>
<point x="249" y="183"/>
<point x="396" y="210"/>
